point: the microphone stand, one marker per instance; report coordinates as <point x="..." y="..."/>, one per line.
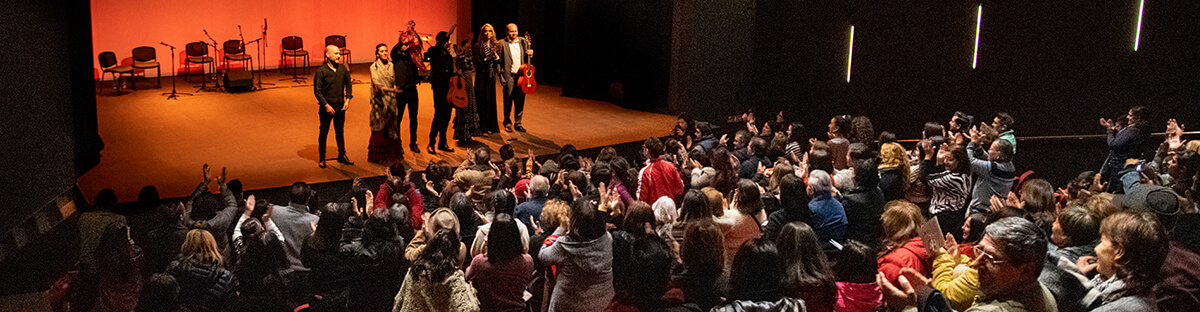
<point x="216" y="69"/>
<point x="258" y="46"/>
<point x="173" y="95"/>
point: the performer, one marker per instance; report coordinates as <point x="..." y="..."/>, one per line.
<point x="406" y="80"/>
<point x="385" y="145"/>
<point x="332" y="88"/>
<point x="440" y="70"/>
<point x="486" y="57"/>
<point x="466" y="119"/>
<point x="514" y="51"/>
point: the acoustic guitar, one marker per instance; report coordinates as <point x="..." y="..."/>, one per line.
<point x="458" y="86"/>
<point x="527" y="82"/>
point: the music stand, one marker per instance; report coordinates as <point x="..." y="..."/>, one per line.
<point x="173" y="95"/>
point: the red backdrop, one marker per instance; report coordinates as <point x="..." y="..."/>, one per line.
<point x="121" y="25"/>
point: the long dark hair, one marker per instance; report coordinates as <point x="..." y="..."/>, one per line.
<point x="702" y="250"/>
<point x="586" y="222"/>
<point x="757" y="271"/>
<point x="439" y="258"/>
<point x="857" y="263"/>
<point x="749" y="200"/>
<point x="806" y="264"/>
<point x="329" y="227"/>
<point x="695" y="206"/>
<point x="504" y="240"/>
<point x="793" y="196"/>
<point x="726" y="178"/>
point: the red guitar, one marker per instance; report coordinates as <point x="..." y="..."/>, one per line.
<point x="411" y="39"/>
<point x="527" y="82"/>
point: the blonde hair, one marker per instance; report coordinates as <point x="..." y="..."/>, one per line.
<point x="892" y="155"/>
<point x="483" y="32"/>
<point x="901" y="219"/>
<point x="1101" y="205"/>
<point x="716" y="201"/>
<point x="552" y="212"/>
<point x="201" y="245"/>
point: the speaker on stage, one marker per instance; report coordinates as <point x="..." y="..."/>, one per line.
<point x="239" y="81"/>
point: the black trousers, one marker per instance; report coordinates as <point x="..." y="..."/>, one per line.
<point x="441" y="114"/>
<point x="513" y="96"/>
<point x="339" y="122"/>
<point x="408" y="97"/>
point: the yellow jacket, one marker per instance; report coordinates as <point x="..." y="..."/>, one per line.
<point x="958" y="282"/>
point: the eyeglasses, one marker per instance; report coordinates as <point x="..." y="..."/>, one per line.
<point x="979" y="254"/>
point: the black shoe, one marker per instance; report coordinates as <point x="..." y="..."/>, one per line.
<point x="345" y="160"/>
<point x="431" y="150"/>
<point x="508" y="128"/>
<point x="414" y="148"/>
<point x="446" y="148"/>
<point x="321" y="164"/>
<point x="520" y="128"/>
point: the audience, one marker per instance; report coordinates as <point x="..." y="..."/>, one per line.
<point x="695" y="228"/>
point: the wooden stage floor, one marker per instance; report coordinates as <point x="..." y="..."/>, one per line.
<point x="268" y="138"/>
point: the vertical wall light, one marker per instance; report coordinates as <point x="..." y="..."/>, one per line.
<point x="978" y="21"/>
<point x="1138" y="37"/>
<point x="850" y="54"/>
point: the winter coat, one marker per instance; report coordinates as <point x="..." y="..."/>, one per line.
<point x="911" y="255"/>
<point x="451" y="294"/>
<point x="584" y="272"/>
<point x="203" y="286"/>
<point x="858" y="297"/>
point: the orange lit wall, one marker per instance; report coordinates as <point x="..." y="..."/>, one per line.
<point x="121" y="25"/>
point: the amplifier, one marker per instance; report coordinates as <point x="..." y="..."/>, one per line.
<point x="239" y="81"/>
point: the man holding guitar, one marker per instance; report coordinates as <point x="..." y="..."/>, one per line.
<point x="514" y="52"/>
<point x="441" y="66"/>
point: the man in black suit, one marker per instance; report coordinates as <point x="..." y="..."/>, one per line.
<point x="514" y="52"/>
<point x="406" y="80"/>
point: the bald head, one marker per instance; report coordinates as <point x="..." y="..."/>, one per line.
<point x="333" y="54"/>
<point x="512" y="31"/>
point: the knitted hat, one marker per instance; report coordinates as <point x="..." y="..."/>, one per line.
<point x="520" y="189"/>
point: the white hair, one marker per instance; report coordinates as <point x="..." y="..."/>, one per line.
<point x="665" y="211"/>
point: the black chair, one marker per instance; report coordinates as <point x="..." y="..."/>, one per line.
<point x="197" y="53"/>
<point x="236" y="51"/>
<point x="108" y="62"/>
<point x="340" y="42"/>
<point x="293" y="47"/>
<point x="146" y="58"/>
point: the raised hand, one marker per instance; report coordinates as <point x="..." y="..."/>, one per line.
<point x="207" y="175"/>
<point x="1174" y="135"/>
<point x="896" y="298"/>
<point x="370" y="201"/>
<point x="221" y="180"/>
<point x="249" y="207"/>
<point x="951" y="247"/>
<point x="357" y="182"/>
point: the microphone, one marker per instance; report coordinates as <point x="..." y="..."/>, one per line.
<point x="165" y="44"/>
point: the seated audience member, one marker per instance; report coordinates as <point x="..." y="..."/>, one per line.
<point x="262" y="271"/>
<point x="665" y="214"/>
<point x="695" y="209"/>
<point x="1075" y="232"/>
<point x="161" y="294"/>
<point x="92" y="226"/>
<point x="953" y="275"/>
<point x="856" y="288"/>
<point x="376" y="248"/>
<point x="504" y="203"/>
<point x="296" y="222"/>
<point x="1003" y="123"/>
<point x="756" y="279"/>
<point x="994" y="175"/>
<point x="554" y="215"/>
<point x="844" y="178"/>
<point x="218" y="214"/>
<point x="703" y="279"/>
<point x="864" y="203"/>
<point x="725" y="174"/>
<point x="741" y="222"/>
<point x="659" y="177"/>
<point x="793" y="200"/>
<point x="1179" y="280"/>
<point x="1128" y="138"/>
<point x="902" y="248"/>
<point x="584" y="260"/>
<point x="204" y="284"/>
<point x="829" y="218"/>
<point x="434" y="281"/>
<point x="118" y="268"/>
<point x="652" y="275"/>
<point x="501" y="273"/>
<point x="861" y="131"/>
<point x="639" y="221"/>
<point x="1009" y="260"/>
<point x="748" y="169"/>
<point x="972" y="232"/>
<point x="808" y="276"/>
<point x="1132" y="249"/>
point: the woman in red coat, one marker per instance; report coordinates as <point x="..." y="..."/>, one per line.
<point x="902" y="248"/>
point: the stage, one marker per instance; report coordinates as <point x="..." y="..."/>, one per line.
<point x="268" y="138"/>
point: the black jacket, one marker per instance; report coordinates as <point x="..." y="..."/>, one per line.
<point x="405" y="69"/>
<point x="864" y="206"/>
<point x="203" y="287"/>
